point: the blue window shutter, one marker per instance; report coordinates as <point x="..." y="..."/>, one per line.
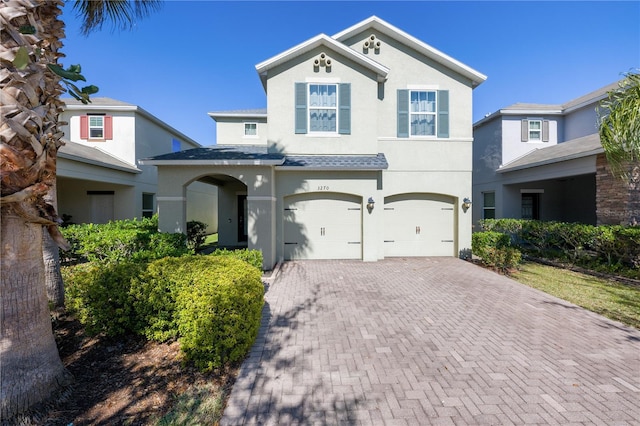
<point x="301" y="108"/>
<point x="403" y="113"/>
<point x="344" y="113"/>
<point x="443" y="113"/>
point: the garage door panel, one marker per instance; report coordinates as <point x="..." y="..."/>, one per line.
<point x="419" y="225"/>
<point x="326" y="226"/>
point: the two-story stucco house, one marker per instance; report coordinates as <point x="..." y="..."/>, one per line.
<point x="364" y="151"/>
<point x="98" y="177"/>
<point x="545" y="161"/>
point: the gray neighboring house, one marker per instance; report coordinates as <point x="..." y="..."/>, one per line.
<point x="364" y="152"/>
<point x="540" y="161"/>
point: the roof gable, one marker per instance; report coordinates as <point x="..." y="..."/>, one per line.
<point x="421" y="47"/>
<point x="317" y="41"/>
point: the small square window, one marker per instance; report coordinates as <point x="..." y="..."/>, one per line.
<point x="251" y="129"/>
<point x="535" y="130"/>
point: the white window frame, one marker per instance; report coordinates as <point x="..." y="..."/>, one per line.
<point x="92" y="127"/>
<point x="485" y="208"/>
<point x="532" y="131"/>
<point x="311" y="108"/>
<point x="433" y="113"/>
<point x="247" y="125"/>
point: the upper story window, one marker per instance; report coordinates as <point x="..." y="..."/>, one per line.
<point x="535" y="130"/>
<point x="251" y="129"/>
<point x="323" y="108"/>
<point x="96" y="127"/>
<point x="423" y="113"/>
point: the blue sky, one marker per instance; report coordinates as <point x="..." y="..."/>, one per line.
<point x="192" y="57"/>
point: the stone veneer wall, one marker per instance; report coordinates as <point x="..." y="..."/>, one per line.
<point x="617" y="201"/>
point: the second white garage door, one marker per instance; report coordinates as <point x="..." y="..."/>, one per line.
<point x="322" y="226"/>
<point x="419" y="225"/>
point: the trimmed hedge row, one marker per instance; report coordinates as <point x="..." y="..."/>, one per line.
<point x="495" y="250"/>
<point x="609" y="248"/>
<point x="212" y="304"/>
<point x="123" y="240"/>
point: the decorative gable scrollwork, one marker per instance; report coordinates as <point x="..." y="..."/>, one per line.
<point x="322" y="61"/>
<point x="371" y="43"/>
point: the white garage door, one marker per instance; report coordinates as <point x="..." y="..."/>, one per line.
<point x="322" y="226"/>
<point x="419" y="225"/>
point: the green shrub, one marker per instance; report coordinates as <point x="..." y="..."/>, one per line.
<point x="99" y="295"/>
<point x="218" y="310"/>
<point x="252" y="257"/>
<point x="119" y="241"/>
<point x="495" y="251"/>
<point x="196" y="234"/>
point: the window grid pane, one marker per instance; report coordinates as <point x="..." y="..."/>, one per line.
<point x="423" y="113"/>
<point x="323" y="101"/>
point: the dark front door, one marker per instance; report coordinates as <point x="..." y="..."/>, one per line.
<point x="531" y="206"/>
<point x="242" y="218"/>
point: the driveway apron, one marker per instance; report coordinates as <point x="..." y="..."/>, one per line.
<point x="422" y="341"/>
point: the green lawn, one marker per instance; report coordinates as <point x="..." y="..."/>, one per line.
<point x="611" y="299"/>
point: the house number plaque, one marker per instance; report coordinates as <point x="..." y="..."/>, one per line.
<point x="323" y="187"/>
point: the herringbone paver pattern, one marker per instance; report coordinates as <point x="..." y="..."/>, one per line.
<point x="431" y="341"/>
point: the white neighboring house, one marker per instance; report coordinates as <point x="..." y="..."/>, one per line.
<point x="546" y="162"/>
<point x="364" y="152"/>
<point x="98" y="175"/>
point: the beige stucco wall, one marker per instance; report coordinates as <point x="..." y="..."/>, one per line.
<point x="230" y="131"/>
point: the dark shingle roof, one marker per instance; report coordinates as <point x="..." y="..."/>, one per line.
<point x="260" y="152"/>
<point x="337" y="162"/>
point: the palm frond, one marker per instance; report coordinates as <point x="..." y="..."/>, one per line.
<point x="122" y="14"/>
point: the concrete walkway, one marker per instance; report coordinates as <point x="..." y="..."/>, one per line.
<point x="430" y="341"/>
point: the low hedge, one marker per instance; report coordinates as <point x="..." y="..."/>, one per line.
<point x="607" y="248"/>
<point x="495" y="251"/>
<point x="212" y="304"/>
<point x="123" y="240"/>
<point x="252" y="257"/>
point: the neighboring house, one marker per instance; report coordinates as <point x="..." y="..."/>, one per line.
<point x="364" y="151"/>
<point x="98" y="178"/>
<point x="538" y="161"/>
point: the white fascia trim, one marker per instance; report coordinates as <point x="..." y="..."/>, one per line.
<point x="236" y="115"/>
<point x="319" y="40"/>
<point x="384" y="27"/>
<point x="211" y="162"/>
<point x="531" y="112"/>
<point x="323" y="169"/>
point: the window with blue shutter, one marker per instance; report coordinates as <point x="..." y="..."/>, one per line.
<point x="403" y="113"/>
<point x="344" y="112"/>
<point x="301" y="108"/>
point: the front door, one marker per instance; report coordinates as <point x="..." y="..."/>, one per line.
<point x="531" y="206"/>
<point x="242" y="217"/>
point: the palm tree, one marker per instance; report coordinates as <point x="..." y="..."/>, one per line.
<point x="619" y="128"/>
<point x="30" y="84"/>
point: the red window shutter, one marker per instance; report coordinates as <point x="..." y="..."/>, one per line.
<point x="84" y="127"/>
<point x="108" y="127"/>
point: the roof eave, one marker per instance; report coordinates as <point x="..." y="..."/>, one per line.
<point x="314" y="42"/>
<point x="132" y="170"/>
<point x="150" y="162"/>
<point x="552" y="161"/>
<point x="378" y="24"/>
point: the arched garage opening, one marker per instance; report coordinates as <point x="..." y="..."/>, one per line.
<point x="322" y="225"/>
<point x="228" y="215"/>
<point x="419" y="224"/>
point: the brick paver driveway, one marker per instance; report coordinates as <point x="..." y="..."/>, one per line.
<point x="431" y="341"/>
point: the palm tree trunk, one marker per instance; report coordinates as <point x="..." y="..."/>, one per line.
<point x="30" y="367"/>
<point x="51" y="256"/>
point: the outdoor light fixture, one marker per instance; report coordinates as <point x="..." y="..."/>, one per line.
<point x="370" y="204"/>
<point x="466" y="203"/>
